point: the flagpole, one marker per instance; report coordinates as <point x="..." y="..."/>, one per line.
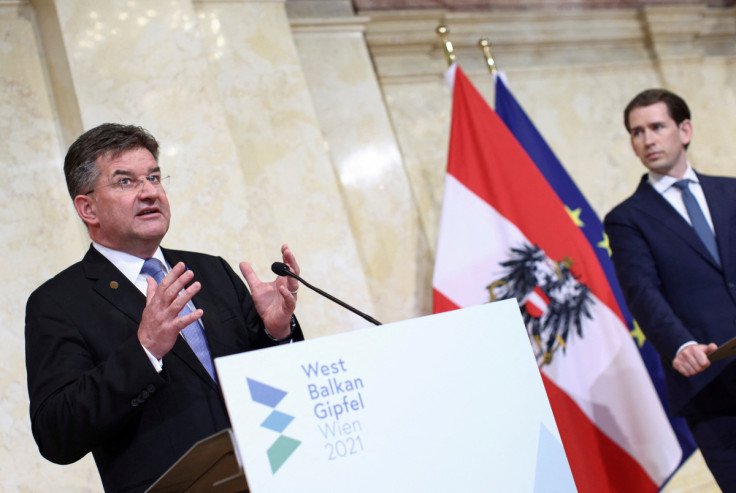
<point x="485" y="46"/>
<point x="443" y="33"/>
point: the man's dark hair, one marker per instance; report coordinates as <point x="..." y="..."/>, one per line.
<point x="676" y="106"/>
<point x="109" y="140"/>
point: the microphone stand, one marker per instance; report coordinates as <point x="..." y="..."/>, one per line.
<point x="282" y="269"/>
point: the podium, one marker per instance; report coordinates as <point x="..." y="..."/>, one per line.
<point x="725" y="350"/>
<point x="211" y="465"/>
<point x="448" y="402"/>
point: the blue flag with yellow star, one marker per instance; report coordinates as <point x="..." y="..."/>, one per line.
<point x="512" y="114"/>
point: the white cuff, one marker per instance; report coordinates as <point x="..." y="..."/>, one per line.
<point x="688" y="343"/>
<point x="158" y="364"/>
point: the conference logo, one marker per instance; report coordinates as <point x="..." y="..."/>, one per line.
<point x="552" y="301"/>
<point x="276" y="421"/>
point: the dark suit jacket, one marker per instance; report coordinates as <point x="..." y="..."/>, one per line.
<point x="92" y="387"/>
<point x="674" y="289"/>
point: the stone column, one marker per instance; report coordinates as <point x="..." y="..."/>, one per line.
<point x="365" y="154"/>
<point x="287" y="181"/>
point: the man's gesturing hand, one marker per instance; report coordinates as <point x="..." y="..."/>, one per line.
<point x="160" y="322"/>
<point x="275" y="301"/>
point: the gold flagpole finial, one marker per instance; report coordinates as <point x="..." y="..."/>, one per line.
<point x="485" y="46"/>
<point x="443" y="32"/>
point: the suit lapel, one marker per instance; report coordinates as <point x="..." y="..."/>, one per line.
<point x="720" y="205"/>
<point x="650" y="203"/>
<point x="112" y="285"/>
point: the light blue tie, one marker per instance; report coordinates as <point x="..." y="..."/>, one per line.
<point x="193" y="333"/>
<point x="700" y="224"/>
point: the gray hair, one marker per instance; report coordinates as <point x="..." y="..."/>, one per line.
<point x="109" y="140"/>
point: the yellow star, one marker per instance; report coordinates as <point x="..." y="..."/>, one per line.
<point x="575" y="216"/>
<point x="604" y="244"/>
<point x="638" y="335"/>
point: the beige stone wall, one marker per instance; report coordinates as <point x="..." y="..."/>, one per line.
<point x="309" y="124"/>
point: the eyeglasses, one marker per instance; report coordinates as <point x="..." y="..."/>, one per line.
<point x="127" y="184"/>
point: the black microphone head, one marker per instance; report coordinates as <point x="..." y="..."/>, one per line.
<point x="280" y="269"/>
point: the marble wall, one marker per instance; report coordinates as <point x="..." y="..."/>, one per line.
<point x="308" y="123"/>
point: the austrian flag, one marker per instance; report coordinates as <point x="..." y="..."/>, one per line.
<point x="505" y="233"/>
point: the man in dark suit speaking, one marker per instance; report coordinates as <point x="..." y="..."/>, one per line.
<point x="119" y="346"/>
<point x="674" y="249"/>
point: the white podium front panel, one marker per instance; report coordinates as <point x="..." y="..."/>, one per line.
<point x="448" y="402"/>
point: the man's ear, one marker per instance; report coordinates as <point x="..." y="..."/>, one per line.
<point x="686" y="131"/>
<point x="86" y="208"/>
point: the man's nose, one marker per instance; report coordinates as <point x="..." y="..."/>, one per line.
<point x="148" y="189"/>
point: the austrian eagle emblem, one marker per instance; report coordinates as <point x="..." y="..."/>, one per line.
<point x="553" y="302"/>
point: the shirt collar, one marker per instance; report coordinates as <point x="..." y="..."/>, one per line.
<point x="128" y="264"/>
<point x="663" y="182"/>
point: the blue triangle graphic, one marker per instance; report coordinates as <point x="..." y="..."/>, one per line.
<point x="553" y="472"/>
<point x="265" y="394"/>
<point x="277" y="421"/>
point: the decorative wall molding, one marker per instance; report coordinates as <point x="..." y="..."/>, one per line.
<point x="526" y="5"/>
<point x="405" y="44"/>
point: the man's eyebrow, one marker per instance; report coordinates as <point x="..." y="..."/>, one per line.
<point x="127" y="172"/>
<point x="123" y="172"/>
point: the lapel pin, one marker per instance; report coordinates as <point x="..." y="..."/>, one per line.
<point x="114" y="284"/>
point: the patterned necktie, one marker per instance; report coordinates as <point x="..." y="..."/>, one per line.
<point x="700" y="224"/>
<point x="193" y="333"/>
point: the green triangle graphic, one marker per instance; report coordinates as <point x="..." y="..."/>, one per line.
<point x="281" y="450"/>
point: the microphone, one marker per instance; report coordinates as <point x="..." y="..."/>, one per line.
<point x="281" y="269"/>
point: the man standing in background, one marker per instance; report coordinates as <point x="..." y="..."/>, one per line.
<point x="673" y="245"/>
<point x="120" y="346"/>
